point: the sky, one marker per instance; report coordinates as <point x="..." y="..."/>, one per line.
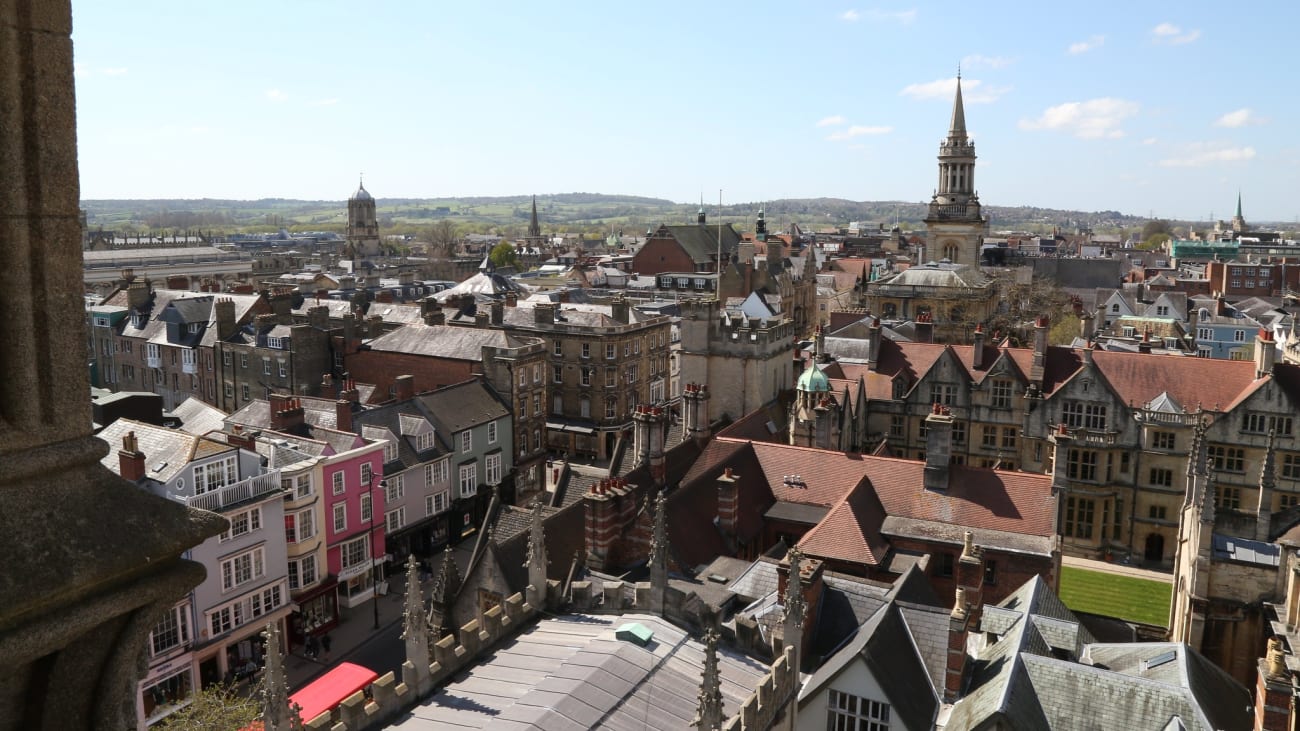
<point x="1152" y="108"/>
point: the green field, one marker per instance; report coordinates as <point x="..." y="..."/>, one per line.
<point x="1112" y="595"/>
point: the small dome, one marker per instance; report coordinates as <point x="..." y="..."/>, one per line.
<point x="813" y="380"/>
<point x="362" y="194"/>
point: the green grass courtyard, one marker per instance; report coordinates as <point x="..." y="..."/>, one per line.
<point x="1113" y="595"/>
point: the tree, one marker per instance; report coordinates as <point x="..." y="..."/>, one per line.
<point x="219" y="707"/>
<point x="1156" y="241"/>
<point x="442" y="240"/>
<point x="1155" y="226"/>
<point x="503" y="255"/>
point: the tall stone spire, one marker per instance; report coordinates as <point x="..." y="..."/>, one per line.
<point x="795" y="606"/>
<point x="1239" y="204"/>
<point x="537" y="560"/>
<point x="957" y="127"/>
<point x="277" y="715"/>
<point x="708" y="714"/>
<point x="415" y="626"/>
<point x="443" y="596"/>
<point x="534" y="227"/>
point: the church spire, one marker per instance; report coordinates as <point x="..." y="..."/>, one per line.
<point x="534" y="227"/>
<point x="957" y="128"/>
<point x="1239" y="204"/>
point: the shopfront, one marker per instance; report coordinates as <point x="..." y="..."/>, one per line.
<point x="166" y="689"/>
<point x="317" y="613"/>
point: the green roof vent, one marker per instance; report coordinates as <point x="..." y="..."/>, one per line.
<point x="634" y="632"/>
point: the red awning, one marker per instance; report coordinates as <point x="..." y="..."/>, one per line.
<point x="328" y="691"/>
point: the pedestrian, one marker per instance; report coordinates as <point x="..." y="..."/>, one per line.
<point x="313" y="646"/>
<point x="325" y="643"/>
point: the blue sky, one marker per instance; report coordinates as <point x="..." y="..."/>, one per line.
<point x="1164" y="108"/>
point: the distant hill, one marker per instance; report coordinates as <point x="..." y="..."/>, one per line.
<point x="585" y="212"/>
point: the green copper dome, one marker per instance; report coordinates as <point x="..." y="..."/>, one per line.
<point x="812" y="379"/>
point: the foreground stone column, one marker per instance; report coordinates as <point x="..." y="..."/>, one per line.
<point x="90" y="561"/>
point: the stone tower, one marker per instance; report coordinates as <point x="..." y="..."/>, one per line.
<point x="363" y="224"/>
<point x="955" y="226"/>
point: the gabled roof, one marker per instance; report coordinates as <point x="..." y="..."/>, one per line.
<point x="700" y="242"/>
<point x="445" y="341"/>
<point x="463" y="405"/>
<point x="167" y="452"/>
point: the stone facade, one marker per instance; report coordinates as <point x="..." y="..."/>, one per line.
<point x="751" y="356"/>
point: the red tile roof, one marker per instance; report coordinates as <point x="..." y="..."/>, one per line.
<point x="851" y="531"/>
<point x="1139" y="378"/>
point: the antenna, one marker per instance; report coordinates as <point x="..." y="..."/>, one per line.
<point x="717" y="282"/>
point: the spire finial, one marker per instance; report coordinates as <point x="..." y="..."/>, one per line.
<point x="959" y="72"/>
<point x="708" y="713"/>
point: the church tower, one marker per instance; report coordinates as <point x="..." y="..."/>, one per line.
<point x="955" y="226"/>
<point x="1238" y="221"/>
<point x="363" y="224"/>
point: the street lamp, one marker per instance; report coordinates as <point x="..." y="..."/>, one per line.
<point x="374" y="581"/>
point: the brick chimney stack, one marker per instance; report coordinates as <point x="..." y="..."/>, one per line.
<point x="873" y="344"/>
<point x="1265" y="352"/>
<point x="226" y="325"/>
<point x="970" y="577"/>
<point x="286" y="412"/>
<point x="130" y="460"/>
<point x="497" y="312"/>
<point x="350" y="391"/>
<point x="924" y="328"/>
<point x="343" y="415"/>
<point x="695" y="398"/>
<point x="619" y="309"/>
<point x="728" y="503"/>
<point x="1273" y="690"/>
<point x="431" y="312"/>
<point x="404" y="388"/>
<point x="958" y="628"/>
<point x="938" y="447"/>
<point x="977" y="353"/>
<point x="1039" y="364"/>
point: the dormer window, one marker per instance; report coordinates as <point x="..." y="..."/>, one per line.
<point x="195" y="327"/>
<point x="423" y="441"/>
<point x="276" y="343"/>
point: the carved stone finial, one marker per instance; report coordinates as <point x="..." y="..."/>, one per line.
<point x="277" y="714"/>
<point x="708" y="713"/>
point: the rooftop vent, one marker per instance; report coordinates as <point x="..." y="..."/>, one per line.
<point x="1161" y="659"/>
<point x="634" y="632"/>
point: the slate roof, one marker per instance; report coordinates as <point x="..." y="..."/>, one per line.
<point x="167" y="452"/>
<point x="445" y="341"/>
<point x="700" y="242"/>
<point x="257" y="415"/>
<point x="198" y="418"/>
<point x="885" y="645"/>
<point x="570" y="672"/>
<point x="462" y="405"/>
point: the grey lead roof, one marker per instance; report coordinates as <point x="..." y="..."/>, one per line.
<point x="570" y="672"/>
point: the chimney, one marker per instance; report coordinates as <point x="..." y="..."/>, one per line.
<point x="431" y="312"/>
<point x="481" y="319"/>
<point x="924" y="328"/>
<point x="497" y="310"/>
<point x="970" y="576"/>
<point x="958" y="625"/>
<point x="938" y="448"/>
<point x="226" y="326"/>
<point x="544" y="314"/>
<point x="130" y="460"/>
<point x="819" y="344"/>
<point x="374" y="326"/>
<point x="281" y="300"/>
<point x="1273" y="690"/>
<point x="343" y="415"/>
<point x="237" y="437"/>
<point x="695" y="397"/>
<point x="619" y="309"/>
<point x="873" y="344"/>
<point x="327" y="385"/>
<point x="349" y="391"/>
<point x="512" y="299"/>
<point x="812" y="582"/>
<point x="1087" y="327"/>
<point x="319" y="317"/>
<point x="728" y="503"/>
<point x="350" y="339"/>
<point x="137" y="293"/>
<point x="1039" y="364"/>
<point x="178" y="281"/>
<point x="603" y="524"/>
<point x="404" y="387"/>
<point x="977" y="354"/>
<point x="648" y="439"/>
<point x="1265" y="352"/>
<point x="1144" y="345"/>
<point x="286" y="412"/>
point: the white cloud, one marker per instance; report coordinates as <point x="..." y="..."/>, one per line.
<point x="1201" y="154"/>
<point x="850" y="15"/>
<point x="993" y="62"/>
<point x="859" y="130"/>
<point x="276" y="95"/>
<point x="115" y="71"/>
<point x="1173" y="35"/>
<point x="832" y="120"/>
<point x="1239" y="118"/>
<point x="904" y="17"/>
<point x="973" y="91"/>
<point x="1092" y="119"/>
<point x="1085" y="46"/>
<point x="1150" y="141"/>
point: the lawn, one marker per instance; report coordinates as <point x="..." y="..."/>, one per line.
<point x="1112" y="595"/>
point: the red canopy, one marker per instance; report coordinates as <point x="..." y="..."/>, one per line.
<point x="328" y="691"/>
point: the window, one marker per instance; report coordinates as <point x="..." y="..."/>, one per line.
<point x="609" y="351"/>
<point x="611" y="407"/>
<point x="275" y="343"/>
<point x="1008" y="437"/>
<point x="365" y="508"/>
<point x="299" y="526"/>
<point x="897" y="426"/>
<point x="611" y="378"/>
<point x="435" y="473"/>
<point x="243" y="568"/>
<point x="1114" y="307"/>
<point x="493" y="467"/>
<point x="302" y="572"/>
<point x="1081" y="464"/>
<point x="243" y="523"/>
<point x="558" y="347"/>
<point x="1163" y="440"/>
<point x="492" y="432"/>
<point x="395" y="519"/>
<point x="557" y="374"/>
<point x="394" y="490"/>
<point x="215" y="475"/>
<point x="266" y="366"/>
<point x="173" y="631"/>
<point x="942" y="393"/>
<point x="1204" y="333"/>
<point x="355" y="552"/>
<point x="390" y="450"/>
<point x="1001" y="394"/>
<point x="537" y="373"/>
<point x="586" y="350"/>
<point x="959" y="432"/>
<point x="1239" y="336"/>
<point x="627" y="349"/>
<point x="537" y="405"/>
<point x="1087" y="415"/>
<point x="367" y="474"/>
<point x="284" y="369"/>
<point x="424" y="441"/>
<point x="340" y="517"/>
<point x="1227" y="497"/>
<point x="1157" y="512"/>
<point x="1286" y="501"/>
<point x="468" y="479"/>
<point x="557" y="404"/>
<point x="466" y="441"/>
<point x="338" y="482"/>
<point x="1291" y="466"/>
<point x="436" y="503"/>
<point x="1079" y="517"/>
<point x="1161" y="477"/>
<point x="523" y="377"/>
<point x="988" y="437"/>
<point x="1203" y="352"/>
<point x="1227" y="459"/>
<point x="1162" y="311"/>
<point x="945" y="564"/>
<point x="990" y="573"/>
<point x="846" y="712"/>
<point x="244" y="392"/>
<point x="1263" y="423"/>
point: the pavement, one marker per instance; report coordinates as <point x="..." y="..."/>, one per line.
<point x="355" y="639"/>
<point x="1117" y="568"/>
